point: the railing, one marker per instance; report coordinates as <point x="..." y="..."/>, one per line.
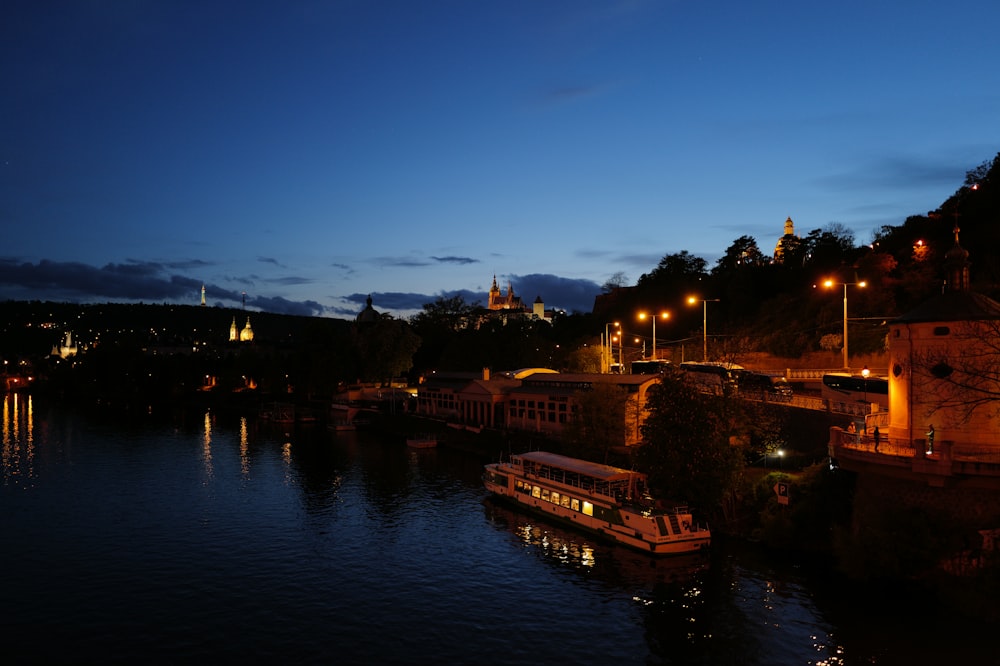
<point x="810" y="374"/>
<point x="946" y="459"/>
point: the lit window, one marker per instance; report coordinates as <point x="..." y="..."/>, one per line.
<point x="555" y="498"/>
<point x="588" y="508"/>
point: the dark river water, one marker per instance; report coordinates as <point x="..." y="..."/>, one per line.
<point x="216" y="539"/>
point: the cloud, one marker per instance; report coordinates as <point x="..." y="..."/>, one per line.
<point x="392" y="300"/>
<point x="186" y="264"/>
<point x="290" y="280"/>
<point x="77" y="282"/>
<point x="456" y="260"/>
<point x="404" y="262"/>
<point x="269" y="260"/>
<point x="898" y="173"/>
<point x="279" y="305"/>
<point x="570" y="294"/>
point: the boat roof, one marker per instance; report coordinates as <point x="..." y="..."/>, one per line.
<point x="585" y="467"/>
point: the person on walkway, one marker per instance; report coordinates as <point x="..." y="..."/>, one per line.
<point x="878" y="438"/>
<point x="930" y="439"/>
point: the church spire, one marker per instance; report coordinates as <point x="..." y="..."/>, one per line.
<point x="956" y="265"/>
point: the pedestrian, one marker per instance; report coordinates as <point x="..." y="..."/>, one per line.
<point x="878" y="438"/>
<point x="930" y="439"/>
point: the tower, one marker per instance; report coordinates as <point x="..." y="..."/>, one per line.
<point x="788" y="236"/>
<point x="203" y="295"/>
<point x="246" y="335"/>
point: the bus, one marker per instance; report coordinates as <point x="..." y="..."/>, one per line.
<point x="710" y="377"/>
<point x="763" y="386"/>
<point x="843" y="387"/>
<point x="649" y="367"/>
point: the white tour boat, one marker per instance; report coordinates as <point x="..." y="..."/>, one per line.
<point x="608" y="501"/>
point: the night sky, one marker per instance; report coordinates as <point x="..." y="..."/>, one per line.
<point x="312" y="153"/>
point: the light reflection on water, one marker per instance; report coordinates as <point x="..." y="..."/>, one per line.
<point x="216" y="538"/>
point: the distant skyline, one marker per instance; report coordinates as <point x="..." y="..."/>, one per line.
<point x="313" y="153"/>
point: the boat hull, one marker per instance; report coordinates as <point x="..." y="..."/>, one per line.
<point x="654" y="532"/>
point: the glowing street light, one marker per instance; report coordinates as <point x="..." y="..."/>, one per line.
<point x="829" y="284"/>
<point x="704" y="322"/>
<point x="652" y="316"/>
<point x="607" y="354"/>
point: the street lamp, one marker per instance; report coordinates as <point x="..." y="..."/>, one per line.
<point x="663" y="315"/>
<point x="620" y="339"/>
<point x="704" y="322"/>
<point x="606" y="353"/>
<point x="864" y="373"/>
<point x="829" y="285"/>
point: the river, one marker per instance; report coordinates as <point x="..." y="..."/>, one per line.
<point x="216" y="539"/>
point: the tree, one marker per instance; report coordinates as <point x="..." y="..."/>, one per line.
<point x="742" y="253"/>
<point x="616" y="281"/>
<point x="676" y="271"/>
<point x="598" y="424"/>
<point x="584" y="359"/>
<point x="386" y="348"/>
<point x="691" y="444"/>
<point x="445" y="313"/>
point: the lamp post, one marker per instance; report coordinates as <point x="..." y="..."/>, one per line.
<point x="829" y="285"/>
<point x="864" y="373"/>
<point x="664" y="315"/>
<point x="704" y="322"/>
<point x="606" y="353"/>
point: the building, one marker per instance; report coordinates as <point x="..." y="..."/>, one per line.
<point x="369" y="315"/>
<point x="944" y="367"/>
<point x="67" y="348"/>
<point x="536" y="400"/>
<point x="787" y="238"/>
<point x="499" y="300"/>
<point x="245" y="335"/>
<point x="937" y="453"/>
<point x="507" y="303"/>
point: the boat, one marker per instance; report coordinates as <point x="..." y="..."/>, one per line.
<point x="607" y="501"/>
<point x="422" y="441"/>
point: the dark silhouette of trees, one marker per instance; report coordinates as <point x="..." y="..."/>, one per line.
<point x="597" y="426"/>
<point x="688" y="448"/>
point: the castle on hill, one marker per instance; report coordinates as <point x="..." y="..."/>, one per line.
<point x="508" y="302"/>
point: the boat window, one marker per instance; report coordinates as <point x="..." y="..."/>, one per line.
<point x="555" y="498"/>
<point x="536" y="491"/>
<point x="575" y="504"/>
<point x="565" y="500"/>
<point x="545" y="494"/>
<point x="588" y="508"/>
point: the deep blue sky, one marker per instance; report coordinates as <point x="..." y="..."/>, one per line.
<point x="311" y="153"/>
